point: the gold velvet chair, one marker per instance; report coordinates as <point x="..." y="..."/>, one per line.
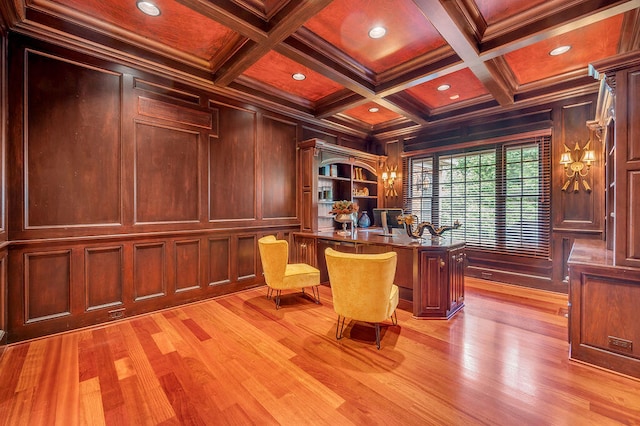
<point x="281" y="275"/>
<point x="362" y="288"/>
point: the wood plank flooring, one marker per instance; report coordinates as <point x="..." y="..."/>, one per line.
<point x="503" y="360"/>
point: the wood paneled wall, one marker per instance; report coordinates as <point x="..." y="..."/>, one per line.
<point x="130" y="193"/>
<point x="575" y="215"/>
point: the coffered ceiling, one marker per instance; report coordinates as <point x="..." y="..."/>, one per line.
<point x="491" y="54"/>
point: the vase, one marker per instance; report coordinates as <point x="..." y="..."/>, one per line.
<point x="344" y="218"/>
<point x="364" y="221"/>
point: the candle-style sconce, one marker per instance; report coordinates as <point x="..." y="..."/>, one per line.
<point x="577" y="164"/>
<point x="388" y="180"/>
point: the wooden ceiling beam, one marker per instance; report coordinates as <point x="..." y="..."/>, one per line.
<point x="410" y="113"/>
<point x="286" y="23"/>
<point x="450" y="23"/>
<point x="304" y="55"/>
<point x="543" y="27"/>
<point x="337" y="103"/>
<point x="231" y="16"/>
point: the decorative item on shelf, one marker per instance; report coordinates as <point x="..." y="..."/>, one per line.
<point x="365" y="220"/>
<point x="577" y="168"/>
<point x="411" y="219"/>
<point x="345" y="212"/>
<point x="364" y="192"/>
<point x="357" y="173"/>
<point x="388" y="180"/>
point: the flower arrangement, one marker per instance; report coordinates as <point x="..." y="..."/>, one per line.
<point x="344" y="207"/>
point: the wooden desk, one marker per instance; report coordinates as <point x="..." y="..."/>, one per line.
<point x="429" y="275"/>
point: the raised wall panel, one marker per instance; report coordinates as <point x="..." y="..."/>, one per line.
<point x="103" y="277"/>
<point x="232" y="163"/>
<point x="187" y="263"/>
<point x="633" y="112"/>
<point x="246" y="258"/>
<point x="47" y="285"/>
<point x="582" y="209"/>
<point x="3" y="156"/>
<point x="633" y="215"/>
<point x="219" y="261"/>
<point x="627" y="220"/>
<point x="166" y="174"/>
<point x="4" y="306"/>
<point x="73" y="147"/>
<point x="171" y="112"/>
<point x="149" y="270"/>
<point x="278" y="160"/>
<point x="167" y="92"/>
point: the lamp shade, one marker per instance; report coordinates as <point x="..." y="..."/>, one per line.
<point x="589" y="156"/>
<point x="565" y="158"/>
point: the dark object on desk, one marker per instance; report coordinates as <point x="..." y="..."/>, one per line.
<point x="387" y="219"/>
<point x="409" y="220"/>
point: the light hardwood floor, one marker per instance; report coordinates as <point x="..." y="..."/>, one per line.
<point x="503" y="360"/>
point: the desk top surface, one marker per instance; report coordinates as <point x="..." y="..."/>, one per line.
<point x="375" y="236"/>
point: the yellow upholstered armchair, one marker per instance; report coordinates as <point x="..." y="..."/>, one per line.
<point x="362" y="287"/>
<point x="281" y="275"/>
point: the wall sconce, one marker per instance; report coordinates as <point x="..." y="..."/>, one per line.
<point x="388" y="178"/>
<point x="577" y="168"/>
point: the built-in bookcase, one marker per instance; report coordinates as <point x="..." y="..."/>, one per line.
<point x="331" y="173"/>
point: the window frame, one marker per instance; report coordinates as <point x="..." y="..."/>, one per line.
<point x="540" y="231"/>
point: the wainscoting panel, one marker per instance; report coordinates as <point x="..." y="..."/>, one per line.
<point x="149" y="271"/>
<point x="47" y="285"/>
<point x="104" y="280"/>
<point x="247" y="257"/>
<point x="219" y="261"/>
<point x="187" y="265"/>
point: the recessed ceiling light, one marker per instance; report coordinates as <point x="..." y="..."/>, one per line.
<point x="559" y="50"/>
<point x="377" y="32"/>
<point x="454" y="97"/>
<point x="148" y="8"/>
<point x="298" y="76"/>
<point x="444" y="87"/>
<point x="374" y="109"/>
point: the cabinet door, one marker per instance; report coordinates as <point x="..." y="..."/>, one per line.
<point x="306" y="251"/>
<point x="431" y="294"/>
<point x="456" y="281"/>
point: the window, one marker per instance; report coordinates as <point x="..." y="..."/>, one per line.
<point x="501" y="195"/>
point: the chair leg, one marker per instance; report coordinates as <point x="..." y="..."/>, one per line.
<point x="278" y="299"/>
<point x="316" y="294"/>
<point x="378" y="335"/>
<point x="339" y="329"/>
<point x="269" y="293"/>
<point x="394" y="318"/>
